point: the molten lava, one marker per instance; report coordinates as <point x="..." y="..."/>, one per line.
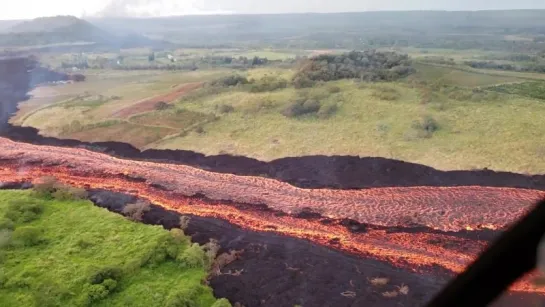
<point x="172" y="186"/>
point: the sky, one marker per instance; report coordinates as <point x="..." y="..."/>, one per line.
<point x="27" y="9"/>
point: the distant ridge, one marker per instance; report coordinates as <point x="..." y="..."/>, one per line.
<point x="66" y="29"/>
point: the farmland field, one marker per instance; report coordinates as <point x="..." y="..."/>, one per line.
<point x="473" y="109"/>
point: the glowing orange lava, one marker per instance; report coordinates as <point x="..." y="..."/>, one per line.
<point x="451" y="209"/>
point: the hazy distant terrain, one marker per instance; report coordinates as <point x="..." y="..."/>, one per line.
<point x="460" y="30"/>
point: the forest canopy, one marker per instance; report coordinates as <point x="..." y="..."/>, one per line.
<point x="369" y="65"/>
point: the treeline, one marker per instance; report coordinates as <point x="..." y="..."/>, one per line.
<point x="530" y="67"/>
<point x="368" y="65"/>
<point x="189" y="64"/>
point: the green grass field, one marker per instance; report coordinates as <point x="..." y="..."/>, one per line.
<point x="471" y="134"/>
<point x="53" y="253"/>
<point x="484" y="118"/>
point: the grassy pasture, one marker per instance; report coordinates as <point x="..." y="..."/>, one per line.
<point x="477" y="125"/>
<point x="50" y="260"/>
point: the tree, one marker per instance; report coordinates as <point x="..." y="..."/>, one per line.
<point x="151" y="57"/>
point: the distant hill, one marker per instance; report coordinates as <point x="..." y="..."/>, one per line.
<point x="54" y="30"/>
<point x="5" y="25"/>
<point x="62" y="30"/>
<point x="421" y="29"/>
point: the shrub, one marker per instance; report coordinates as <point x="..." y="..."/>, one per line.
<point x="383" y="128"/>
<point x="184" y="222"/>
<point x="6" y="224"/>
<point x="45" y="186"/>
<point x="23" y="212"/>
<point x="334" y="89"/>
<point x="303" y="82"/>
<point x="161" y="105"/>
<point x="182" y="298"/>
<point x="5" y="237"/>
<point x="264" y="103"/>
<point x="27" y="236"/>
<point x="299" y="108"/>
<point x="211" y="250"/>
<point x="223" y="302"/>
<point x="109" y="284"/>
<point x="225" y="108"/>
<point x="106" y="273"/>
<point x="199" y="129"/>
<point x="96" y="293"/>
<point x="69" y="193"/>
<point x="231" y="80"/>
<point x="136" y="211"/>
<point x="327" y="110"/>
<point x="192" y="257"/>
<point x="386" y="93"/>
<point x="267" y="84"/>
<point x="49" y="187"/>
<point x="425" y="127"/>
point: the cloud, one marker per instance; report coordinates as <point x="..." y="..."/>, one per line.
<point x="140" y="8"/>
<point x="148" y="8"/>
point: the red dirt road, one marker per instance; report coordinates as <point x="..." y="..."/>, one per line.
<point x="149" y="103"/>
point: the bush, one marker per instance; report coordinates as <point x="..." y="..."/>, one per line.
<point x="225" y="108"/>
<point x="223" y="302"/>
<point x="303" y="82"/>
<point x="199" y="129"/>
<point x="136" y="211"/>
<point x="268" y="84"/>
<point x="96" y="293"/>
<point x="5" y="237"/>
<point x="27" y="236"/>
<point x="6" y="224"/>
<point x="211" y="250"/>
<point x="368" y="65"/>
<point x="386" y="93"/>
<point x="327" y="110"/>
<point x="45" y="186"/>
<point x="103" y="274"/>
<point x="231" y="80"/>
<point x="183" y="298"/>
<point x="425" y="127"/>
<point x="299" y="108"/>
<point x="192" y="257"/>
<point x="334" y="89"/>
<point x="161" y="105"/>
<point x="184" y="222"/>
<point x="23" y="212"/>
<point x="109" y="284"/>
<point x="64" y="193"/>
<point x="49" y="187"/>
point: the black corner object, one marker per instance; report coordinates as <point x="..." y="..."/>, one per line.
<point x="506" y="260"/>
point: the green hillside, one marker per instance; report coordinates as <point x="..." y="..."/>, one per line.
<point x="71" y="253"/>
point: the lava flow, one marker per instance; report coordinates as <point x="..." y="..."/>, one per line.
<point x="242" y="201"/>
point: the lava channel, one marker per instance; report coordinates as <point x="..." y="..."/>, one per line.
<point x="173" y="186"/>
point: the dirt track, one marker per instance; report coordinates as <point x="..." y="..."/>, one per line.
<point x="149" y="103"/>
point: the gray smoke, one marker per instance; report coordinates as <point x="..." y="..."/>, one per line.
<point x="135" y="8"/>
<point x="121" y="8"/>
